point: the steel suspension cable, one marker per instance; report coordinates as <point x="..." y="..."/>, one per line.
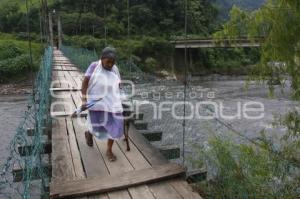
<point x="185" y="81"/>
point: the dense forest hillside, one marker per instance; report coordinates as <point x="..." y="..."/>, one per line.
<point x="224" y="6"/>
<point x="93" y="24"/>
<point x="84" y="17"/>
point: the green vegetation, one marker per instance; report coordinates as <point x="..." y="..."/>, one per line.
<point x="248" y="171"/>
<point x="86" y="22"/>
<point x="14" y="51"/>
<point x="279" y="23"/>
<point x="14" y="57"/>
<point x="149" y="53"/>
<point x="266" y="167"/>
<point x="226" y="5"/>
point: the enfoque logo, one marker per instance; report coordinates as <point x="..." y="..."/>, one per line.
<point x="196" y="108"/>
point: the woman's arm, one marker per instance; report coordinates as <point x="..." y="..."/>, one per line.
<point x="84" y="87"/>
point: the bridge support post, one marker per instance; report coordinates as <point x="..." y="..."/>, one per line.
<point x="59" y="29"/>
<point x="51" y="42"/>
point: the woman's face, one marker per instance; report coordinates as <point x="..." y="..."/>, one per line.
<point x="107" y="63"/>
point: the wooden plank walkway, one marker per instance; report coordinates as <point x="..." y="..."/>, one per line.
<point x="80" y="171"/>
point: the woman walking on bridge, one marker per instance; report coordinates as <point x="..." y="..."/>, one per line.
<point x="101" y="84"/>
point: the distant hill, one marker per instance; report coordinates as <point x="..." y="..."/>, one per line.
<point x="225" y="6"/>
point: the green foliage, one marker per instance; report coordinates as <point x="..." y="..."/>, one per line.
<point x="247" y="171"/>
<point x="155" y="18"/>
<point x="76" y="23"/>
<point x="267" y="167"/>
<point x="137" y="49"/>
<point x="229" y="61"/>
<point x="13" y="66"/>
<point x="150" y="64"/>
<point x="279" y="23"/>
<point x="14" y="57"/>
<point x="79" y="56"/>
<point x="13" y="18"/>
<point x="9" y="51"/>
<point x="83" y="58"/>
<point x="224" y="6"/>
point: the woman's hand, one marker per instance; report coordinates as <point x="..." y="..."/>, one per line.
<point x="83" y="102"/>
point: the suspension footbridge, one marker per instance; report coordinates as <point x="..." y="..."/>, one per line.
<point x="49" y="148"/>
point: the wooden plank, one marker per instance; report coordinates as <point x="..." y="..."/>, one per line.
<point x="71" y="75"/>
<point x="64" y="89"/>
<point x="160" y="191"/>
<point x="74" y="149"/>
<point x="68" y="68"/>
<point x="63" y="114"/>
<point x="151" y="154"/>
<point x="184" y="189"/>
<point x="118" y="167"/>
<point x="60" y="62"/>
<point x="141" y="191"/>
<point x="62" y="164"/>
<point x="56" y="69"/>
<point x="116" y="182"/>
<point x="135" y="157"/>
<point x="137" y="162"/>
<point x="92" y="160"/>
<point x="76" y="74"/>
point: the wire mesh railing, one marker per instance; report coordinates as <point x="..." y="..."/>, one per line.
<point x="25" y="172"/>
<point x="82" y="58"/>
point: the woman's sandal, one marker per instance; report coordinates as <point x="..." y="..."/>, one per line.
<point x="111" y="157"/>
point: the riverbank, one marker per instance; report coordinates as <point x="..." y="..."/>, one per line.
<point x="20" y="87"/>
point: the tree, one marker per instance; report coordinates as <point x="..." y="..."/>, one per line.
<point x="9" y="16"/>
<point x="279" y="23"/>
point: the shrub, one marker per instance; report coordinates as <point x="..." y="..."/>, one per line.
<point x="14" y="56"/>
<point x="267" y="169"/>
<point x="150" y="64"/>
<point x="9" y="50"/>
<point x="14" y="66"/>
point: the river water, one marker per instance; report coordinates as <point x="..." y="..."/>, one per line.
<point x="12" y="111"/>
<point x="231" y="94"/>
